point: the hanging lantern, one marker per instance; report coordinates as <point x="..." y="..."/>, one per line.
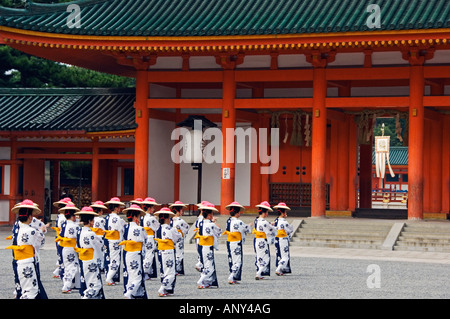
<point x="382" y="154"/>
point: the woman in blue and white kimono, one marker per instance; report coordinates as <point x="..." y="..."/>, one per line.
<point x="208" y="241"/>
<point x="198" y="265"/>
<point x="60" y="219"/>
<point x="166" y="236"/>
<point x="264" y="235"/>
<point x="182" y="227"/>
<point x="67" y="239"/>
<point x="27" y="240"/>
<point x="134" y="238"/>
<point x="114" y="225"/>
<point x="151" y="225"/>
<point x="282" y="239"/>
<point x="99" y="229"/>
<point x="87" y="244"/>
<point x="236" y="232"/>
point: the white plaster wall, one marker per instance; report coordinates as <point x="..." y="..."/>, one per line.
<point x="4" y="210"/>
<point x="211" y="179"/>
<point x="6" y="179"/>
<point x="5" y="153"/>
<point x="160" y="164"/>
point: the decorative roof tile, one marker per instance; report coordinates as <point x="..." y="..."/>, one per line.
<point x="91" y="110"/>
<point x="227" y="17"/>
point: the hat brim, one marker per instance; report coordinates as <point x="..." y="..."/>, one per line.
<point x="268" y="208"/>
<point x="55" y="204"/>
<point x="163" y="212"/>
<point x="150" y="203"/>
<point x="86" y="213"/>
<point x="178" y="205"/>
<point x="68" y="208"/>
<point x="36" y="210"/>
<point x="281" y="206"/>
<point x="115" y="203"/>
<point x="240" y="206"/>
<point x="133" y="208"/>
<point x="99" y="206"/>
<point x="209" y="208"/>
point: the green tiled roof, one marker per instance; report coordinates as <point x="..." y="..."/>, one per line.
<point x="398" y="155"/>
<point x="90" y="110"/>
<point x="227" y="17"/>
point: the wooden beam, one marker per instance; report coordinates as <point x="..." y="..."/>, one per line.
<point x="347" y="74"/>
<point x="276" y="103"/>
<point x="184" y="76"/>
<point x="379" y="101"/>
<point x="72" y="145"/>
<point x="184" y="103"/>
<point x="274" y="75"/>
<point x="64" y="156"/>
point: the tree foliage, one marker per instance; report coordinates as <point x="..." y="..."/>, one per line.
<point x="18" y="69"/>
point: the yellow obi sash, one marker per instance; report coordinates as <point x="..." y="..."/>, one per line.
<point x="85" y="253"/>
<point x="56" y="229"/>
<point x="149" y="231"/>
<point x="205" y="240"/>
<point x="22" y="252"/>
<point x="259" y="234"/>
<point x="179" y="230"/>
<point x="66" y="242"/>
<point x="281" y="233"/>
<point x="131" y="245"/>
<point x="165" y="244"/>
<point x="98" y="231"/>
<point x="233" y="236"/>
<point x="9" y="237"/>
<point x="112" y="234"/>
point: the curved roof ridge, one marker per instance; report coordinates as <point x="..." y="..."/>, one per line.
<point x="227" y="17"/>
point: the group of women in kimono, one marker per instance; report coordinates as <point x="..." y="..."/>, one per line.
<point x="278" y="232"/>
<point x="88" y="244"/>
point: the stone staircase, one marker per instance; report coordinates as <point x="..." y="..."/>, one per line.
<point x="433" y="236"/>
<point x="342" y="233"/>
<point x="425" y="236"/>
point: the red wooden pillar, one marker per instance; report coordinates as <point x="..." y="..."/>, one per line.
<point x="228" y="122"/>
<point x="352" y="165"/>
<point x="319" y="143"/>
<point x="435" y="141"/>
<point x="141" y="137"/>
<point x="445" y="195"/>
<point x="416" y="142"/>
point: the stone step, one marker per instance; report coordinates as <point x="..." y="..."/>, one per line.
<point x="425" y="236"/>
<point x="349" y="236"/>
<point x="345" y="243"/>
<point x="418" y="236"/>
<point x="425" y="247"/>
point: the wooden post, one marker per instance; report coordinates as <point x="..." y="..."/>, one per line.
<point x="416" y="142"/>
<point x="319" y="143"/>
<point x="141" y="136"/>
<point x="228" y="122"/>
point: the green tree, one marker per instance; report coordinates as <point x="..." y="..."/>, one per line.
<point x="18" y="69"/>
<point x="389" y="130"/>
